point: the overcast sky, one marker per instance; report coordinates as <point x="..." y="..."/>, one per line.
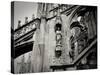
<point x="22" y="10"/>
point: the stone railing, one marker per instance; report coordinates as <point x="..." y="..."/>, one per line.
<point x="26" y="28"/>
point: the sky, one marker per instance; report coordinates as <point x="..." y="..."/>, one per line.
<point x="22" y="10"/>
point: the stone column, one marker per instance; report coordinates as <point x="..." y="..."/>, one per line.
<point x="42" y="41"/>
<point x="39" y="47"/>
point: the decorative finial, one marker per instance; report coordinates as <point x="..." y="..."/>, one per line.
<point x="26" y="20"/>
<point x="19" y="24"/>
<point x="33" y="17"/>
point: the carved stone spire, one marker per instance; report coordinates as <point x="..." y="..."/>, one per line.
<point x="58" y="18"/>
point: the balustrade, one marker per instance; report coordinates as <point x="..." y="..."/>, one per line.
<point x="25" y="30"/>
